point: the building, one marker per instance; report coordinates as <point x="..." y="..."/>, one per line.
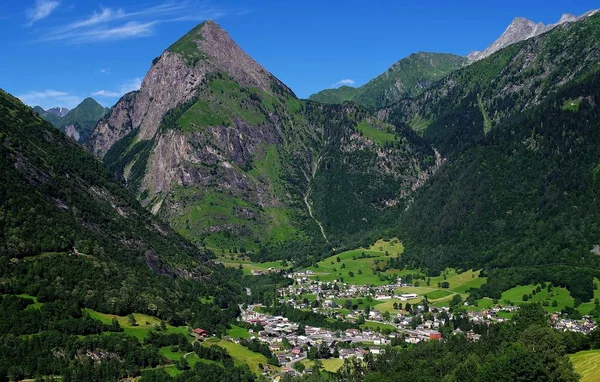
<point x="200" y="333"/>
<point x="435" y="335"/>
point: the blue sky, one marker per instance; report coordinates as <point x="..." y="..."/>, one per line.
<point x="58" y="52"/>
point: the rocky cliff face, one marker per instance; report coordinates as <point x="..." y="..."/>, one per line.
<point x="173" y="80"/>
<point x="522" y="29"/>
<point x="220" y="148"/>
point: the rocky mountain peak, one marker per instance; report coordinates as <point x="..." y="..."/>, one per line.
<point x="175" y="78"/>
<point x="566" y="18"/>
<point x="521" y="29"/>
<point x="58" y="111"/>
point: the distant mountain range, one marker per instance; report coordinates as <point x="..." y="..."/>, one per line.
<point x="408" y="77"/>
<point x="77" y="123"/>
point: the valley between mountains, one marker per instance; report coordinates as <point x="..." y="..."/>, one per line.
<point x="439" y="223"/>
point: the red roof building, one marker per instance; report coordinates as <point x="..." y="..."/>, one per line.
<point x="200" y="332"/>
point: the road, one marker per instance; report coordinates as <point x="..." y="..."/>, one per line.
<point x="290" y="365"/>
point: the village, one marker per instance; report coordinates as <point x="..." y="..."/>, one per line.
<point x="411" y="323"/>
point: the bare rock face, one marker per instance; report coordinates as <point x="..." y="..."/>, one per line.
<point x="172" y="81"/>
<point x="523" y="29"/>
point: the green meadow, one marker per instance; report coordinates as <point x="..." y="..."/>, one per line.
<point x="587" y="364"/>
<point x="240" y="354"/>
<point x="331" y="365"/>
<point x="357" y="266"/>
<point x="145" y="324"/>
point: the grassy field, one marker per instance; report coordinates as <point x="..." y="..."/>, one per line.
<point x="332" y="365"/>
<point x="587" y="307"/>
<point x="560" y="295"/>
<point x="145" y="324"/>
<point x="374" y="325"/>
<point x="587" y="364"/>
<point x="571" y="105"/>
<point x="376" y="134"/>
<point x="354" y="269"/>
<point x="237" y="332"/>
<point x="240" y="354"/>
<point x="169" y="354"/>
<point x="248" y="266"/>
<point x="36" y="304"/>
<point x="460" y="282"/>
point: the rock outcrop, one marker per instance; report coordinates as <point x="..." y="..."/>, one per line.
<point x="523" y="29"/>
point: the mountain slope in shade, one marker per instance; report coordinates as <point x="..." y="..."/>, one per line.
<point x="408" y="77"/>
<point x="57" y="199"/>
<point x="77" y="123"/>
<point x="226" y="153"/>
<point x="522" y="29"/>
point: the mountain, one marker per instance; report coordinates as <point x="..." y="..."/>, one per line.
<point x="75" y="240"/>
<point x="220" y="148"/>
<point x="408" y="77"/>
<point x="518" y="193"/>
<point x="522" y="29"/>
<point x="80" y="122"/>
<point x="336" y="96"/>
<point x="77" y="123"/>
<point x="58" y="111"/>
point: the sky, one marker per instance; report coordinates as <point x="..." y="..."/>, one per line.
<point x="58" y="52"/>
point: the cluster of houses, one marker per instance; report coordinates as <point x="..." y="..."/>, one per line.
<point x="585" y="326"/>
<point x="332" y="290"/>
<point x="283" y="339"/>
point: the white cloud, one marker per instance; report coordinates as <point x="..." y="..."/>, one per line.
<point x="41" y="10"/>
<point x="109" y="24"/>
<point x="50" y="98"/>
<point x="131" y="85"/>
<point x="128" y="86"/>
<point x="105" y="70"/>
<point x="105" y="93"/>
<point x="346" y="82"/>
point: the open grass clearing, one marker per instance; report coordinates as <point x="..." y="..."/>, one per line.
<point x="145" y="324"/>
<point x="372" y="325"/>
<point x="331" y="365"/>
<point x="561" y="295"/>
<point x="240" y="354"/>
<point x="587" y="364"/>
<point x="237" y="332"/>
<point x="356" y="266"/>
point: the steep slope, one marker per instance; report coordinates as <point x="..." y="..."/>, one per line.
<point x="77" y="123"/>
<point x="522" y="29"/>
<point x="80" y="122"/>
<point x="518" y="193"/>
<point x="408" y="77"/>
<point x="58" y="200"/>
<point x="336" y="96"/>
<point x="467" y="104"/>
<point x="71" y="240"/>
<point x="228" y="155"/>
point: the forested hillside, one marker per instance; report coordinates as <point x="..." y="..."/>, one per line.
<point x="518" y="193"/>
<point x="73" y="238"/>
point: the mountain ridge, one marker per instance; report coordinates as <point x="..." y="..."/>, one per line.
<point x="407" y="77"/>
<point x="521" y="29"/>
<point x="77" y="123"/>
